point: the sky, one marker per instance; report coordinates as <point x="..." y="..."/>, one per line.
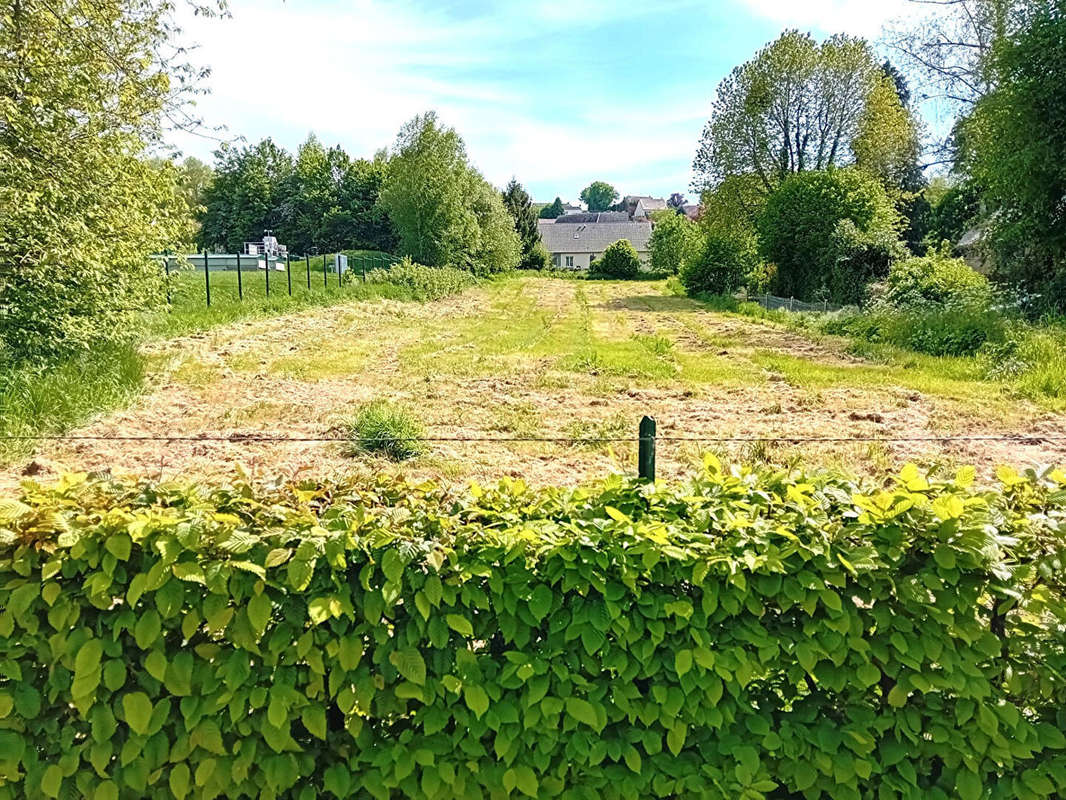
<point x="557" y="93"/>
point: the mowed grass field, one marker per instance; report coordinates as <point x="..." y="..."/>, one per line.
<point x="533" y="356"/>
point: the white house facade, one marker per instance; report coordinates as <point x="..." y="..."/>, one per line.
<point x="573" y="245"/>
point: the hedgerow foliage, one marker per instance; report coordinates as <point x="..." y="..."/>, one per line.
<point x="743" y="636"/>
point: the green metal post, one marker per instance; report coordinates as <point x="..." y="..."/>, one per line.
<point x="288" y="272"/>
<point x="266" y="261"/>
<point x="207" y="278"/>
<point x="307" y="263"/>
<point x="325" y="275"/>
<point x="240" y="284"/>
<point x="646" y="450"/>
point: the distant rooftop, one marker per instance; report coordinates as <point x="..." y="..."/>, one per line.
<point x="593" y="237"/>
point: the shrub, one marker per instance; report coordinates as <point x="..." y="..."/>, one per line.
<point x="859" y="259"/>
<point x="672" y="238"/>
<point x="938" y="333"/>
<point x="427" y="283"/>
<point x="626" y="642"/>
<point x="381" y="427"/>
<point x="539" y="258"/>
<point x="619" y="260"/>
<point x="719" y="265"/>
<point x="936" y="281"/>
<point x="799" y="230"/>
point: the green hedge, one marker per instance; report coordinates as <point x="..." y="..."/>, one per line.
<point x="740" y="636"/>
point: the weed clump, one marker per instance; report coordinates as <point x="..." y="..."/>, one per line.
<point x="385" y="428"/>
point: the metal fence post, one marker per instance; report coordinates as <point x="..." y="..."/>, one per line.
<point x="240" y="284"/>
<point x="325" y="275"/>
<point x="207" y="278"/>
<point x="646" y="449"/>
<point x="362" y="262"/>
<point x="307" y="263"/>
<point x="266" y="261"/>
<point x="166" y="269"/>
<point x="288" y="272"/>
<point x="791" y="303"/>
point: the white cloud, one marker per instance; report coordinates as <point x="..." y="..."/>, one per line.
<point x="354" y="72"/>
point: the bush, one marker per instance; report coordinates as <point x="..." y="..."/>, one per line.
<point x="938" y="333"/>
<point x="619" y="260"/>
<point x="539" y="258"/>
<point x="381" y="427"/>
<point x="936" y="281"/>
<point x="859" y="259"/>
<point x="673" y="236"/>
<point x="427" y="283"/>
<point x="628" y="642"/>
<point x="799" y="231"/>
<point x="719" y="265"/>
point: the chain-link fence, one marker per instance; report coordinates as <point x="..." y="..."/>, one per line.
<point x="774" y="303"/>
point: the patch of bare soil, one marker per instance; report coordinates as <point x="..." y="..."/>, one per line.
<point x="227" y="384"/>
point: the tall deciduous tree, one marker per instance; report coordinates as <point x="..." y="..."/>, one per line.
<point x="85" y="87"/>
<point x="796" y="106"/>
<point x="246" y="198"/>
<point x="1016" y="154"/>
<point x="443" y="212"/>
<point x="599" y="195"/>
<point x="887" y="141"/>
<point x="518" y="202"/>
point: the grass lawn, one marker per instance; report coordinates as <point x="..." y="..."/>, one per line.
<point x="529" y="356"/>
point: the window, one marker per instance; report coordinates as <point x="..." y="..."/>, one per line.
<point x="570" y="261"/>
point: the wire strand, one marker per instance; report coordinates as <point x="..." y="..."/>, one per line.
<point x="242" y="438"/>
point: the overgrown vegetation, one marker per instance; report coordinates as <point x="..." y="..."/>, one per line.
<point x="318" y="640"/>
<point x="424" y="283"/>
<point x="619" y="260"/>
<point x="386" y="428"/>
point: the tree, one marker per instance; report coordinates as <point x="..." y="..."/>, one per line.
<point x="828" y="232"/>
<point x="444" y="212"/>
<point x="311" y="196"/>
<point x="424" y="193"/>
<point x="598" y="195"/>
<point x="796" y="106"/>
<point x="671" y="239"/>
<point x="246" y="198"/>
<point x="676" y="202"/>
<point x="619" y="260"/>
<point x="519" y="204"/>
<point x="887" y="142"/>
<point x="1016" y="138"/>
<point x="85" y="90"/>
<point x="718" y="264"/>
<point x="553" y="210"/>
<point x="499" y="247"/>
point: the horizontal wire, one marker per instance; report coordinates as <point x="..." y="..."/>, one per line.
<point x="268" y="439"/>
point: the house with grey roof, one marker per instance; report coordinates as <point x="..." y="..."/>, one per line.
<point x="640" y="206"/>
<point x="573" y="245"/>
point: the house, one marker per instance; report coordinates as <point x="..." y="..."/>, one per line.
<point x="574" y="245"/>
<point x="592" y="216"/>
<point x="639" y="206"/>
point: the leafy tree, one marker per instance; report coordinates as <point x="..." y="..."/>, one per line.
<point x="1017" y="140"/>
<point x="85" y="87"/>
<point x="519" y="204"/>
<point x="310" y="198"/>
<point x="718" y="264"/>
<point x="424" y="193"/>
<point x="598" y="195"/>
<point x="499" y="247"/>
<point x="676" y="202"/>
<point x="954" y="209"/>
<point x="553" y="210"/>
<point x="887" y="141"/>
<point x="246" y="198"/>
<point x="444" y="213"/>
<point x="796" y="106"/>
<point x="816" y="226"/>
<point x="619" y="260"/>
<point x="671" y="239"/>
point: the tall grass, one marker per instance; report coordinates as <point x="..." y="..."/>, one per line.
<point x="54" y="400"/>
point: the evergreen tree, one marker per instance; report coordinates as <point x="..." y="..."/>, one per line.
<point x="553" y="211"/>
<point x="520" y="205"/>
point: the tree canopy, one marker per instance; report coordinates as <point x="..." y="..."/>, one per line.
<point x="552" y="210"/>
<point x="85" y="89"/>
<point x="599" y="196"/>
<point x="520" y="206"/>
<point x="796" y="106"/>
<point x="444" y="212"/>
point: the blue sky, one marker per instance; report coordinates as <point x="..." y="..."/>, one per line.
<point x="556" y="93"/>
